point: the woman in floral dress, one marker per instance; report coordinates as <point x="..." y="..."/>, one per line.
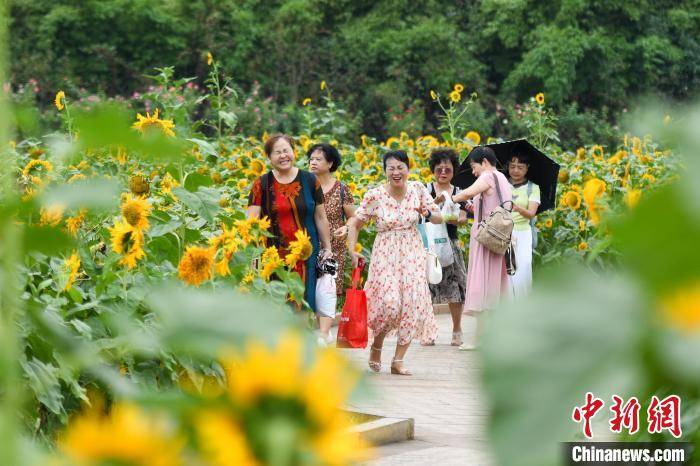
<point x="398" y="297"/>
<point x="293" y="200"/>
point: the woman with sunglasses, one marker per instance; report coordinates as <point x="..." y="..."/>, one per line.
<point x="452" y="289"/>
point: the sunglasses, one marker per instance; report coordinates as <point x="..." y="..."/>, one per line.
<point x="445" y="170"/>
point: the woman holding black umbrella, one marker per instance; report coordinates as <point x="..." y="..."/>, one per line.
<point x="526" y="200"/>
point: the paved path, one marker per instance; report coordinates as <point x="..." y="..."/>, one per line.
<point x="443" y="396"/>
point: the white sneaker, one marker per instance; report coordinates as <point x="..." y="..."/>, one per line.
<point x="321" y="342"/>
<point x="467" y="347"/>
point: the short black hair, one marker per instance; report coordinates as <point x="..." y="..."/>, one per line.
<point x="330" y="153"/>
<point x="443" y="154"/>
<point x="479" y="153"/>
<point x="521" y="157"/>
<point x="399" y="155"/>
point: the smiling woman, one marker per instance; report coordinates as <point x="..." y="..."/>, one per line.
<point x="293" y="201"/>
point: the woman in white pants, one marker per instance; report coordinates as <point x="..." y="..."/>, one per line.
<point x="526" y="199"/>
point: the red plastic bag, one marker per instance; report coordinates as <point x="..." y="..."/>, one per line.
<point x="352" y="328"/>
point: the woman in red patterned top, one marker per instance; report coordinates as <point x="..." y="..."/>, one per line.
<point x="293" y="200"/>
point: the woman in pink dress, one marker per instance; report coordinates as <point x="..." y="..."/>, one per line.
<point x="398" y="297"/>
<point x="487" y="280"/>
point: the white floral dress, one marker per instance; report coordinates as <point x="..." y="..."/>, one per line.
<point x="398" y="297"/>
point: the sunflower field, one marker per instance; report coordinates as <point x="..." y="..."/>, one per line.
<point x="143" y="297"/>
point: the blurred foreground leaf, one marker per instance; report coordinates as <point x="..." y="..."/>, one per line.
<point x="578" y="332"/>
<point x="93" y="194"/>
<point x="109" y="126"/>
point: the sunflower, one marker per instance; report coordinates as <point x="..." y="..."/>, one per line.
<point x="135" y="211"/>
<point x="632" y="197"/>
<point x="222" y="440"/>
<point x="300" y="249"/>
<point x="539" y="98"/>
<point x="76" y="177"/>
<point x="306" y="101"/>
<point x="572" y="199"/>
<point x="60" y="100"/>
<point x="210" y="58"/>
<point x="474" y="137"/>
<point x="145" y="123"/>
<point x="51" y="216"/>
<point x="322" y="430"/>
<point x="433" y="95"/>
<point x="256" y="167"/>
<point x="196" y="264"/>
<point x="74" y="223"/>
<point x="455" y="96"/>
<point x="71" y="266"/>
<point x="592" y="191"/>
<point x="459" y="87"/>
<point x="581" y="153"/>
<point x="248" y="277"/>
<point x="242" y="185"/>
<point x="648" y="178"/>
<point x="548" y="223"/>
<point x="563" y="176"/>
<point x="681" y="308"/>
<point x="244" y="228"/>
<point x="597" y="152"/>
<point x="167" y="184"/>
<point x="581" y="225"/>
<point x="139" y="185"/>
<point x="358" y="248"/>
<point x="128" y="242"/>
<point x="270" y="262"/>
<point x="31" y="168"/>
<point x="582" y="246"/>
<point x="127" y="436"/>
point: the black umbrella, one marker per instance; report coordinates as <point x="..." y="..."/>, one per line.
<point x="543" y="171"/>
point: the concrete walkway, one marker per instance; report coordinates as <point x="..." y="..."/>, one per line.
<point x="443" y="396"/>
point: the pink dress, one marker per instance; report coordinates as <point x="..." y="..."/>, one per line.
<point x="487" y="280"/>
<point x="398" y="297"/>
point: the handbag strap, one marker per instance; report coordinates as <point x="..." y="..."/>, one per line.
<point x="500" y="199"/>
<point x="357" y="273"/>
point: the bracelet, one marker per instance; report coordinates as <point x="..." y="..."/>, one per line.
<point x="430" y="214"/>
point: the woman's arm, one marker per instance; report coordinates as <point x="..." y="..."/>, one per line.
<point x="349" y="210"/>
<point x="253" y="211"/>
<point x="478" y="187"/>
<point x="354" y="227"/>
<point x="528" y="213"/>
<point x="324" y="231"/>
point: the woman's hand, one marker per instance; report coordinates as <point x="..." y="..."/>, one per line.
<point x="325" y="254"/>
<point x="355" y="258"/>
<point x="341" y="232"/>
<point x="422" y="210"/>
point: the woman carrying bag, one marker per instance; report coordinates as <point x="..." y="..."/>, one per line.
<point x="452" y="289"/>
<point x="487" y="280"/>
<point x="398" y="297"/>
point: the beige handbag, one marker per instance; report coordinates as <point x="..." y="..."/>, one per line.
<point x="494" y="232"/>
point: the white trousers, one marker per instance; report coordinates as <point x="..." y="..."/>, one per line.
<point x="521" y="283"/>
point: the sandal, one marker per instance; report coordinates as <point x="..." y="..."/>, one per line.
<point x="457" y="339"/>
<point x="399" y="371"/>
<point x="375" y="366"/>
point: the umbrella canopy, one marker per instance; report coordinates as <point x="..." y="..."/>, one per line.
<point x="543" y="171"/>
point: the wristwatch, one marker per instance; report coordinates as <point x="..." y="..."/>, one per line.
<point x="430" y="214"/>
